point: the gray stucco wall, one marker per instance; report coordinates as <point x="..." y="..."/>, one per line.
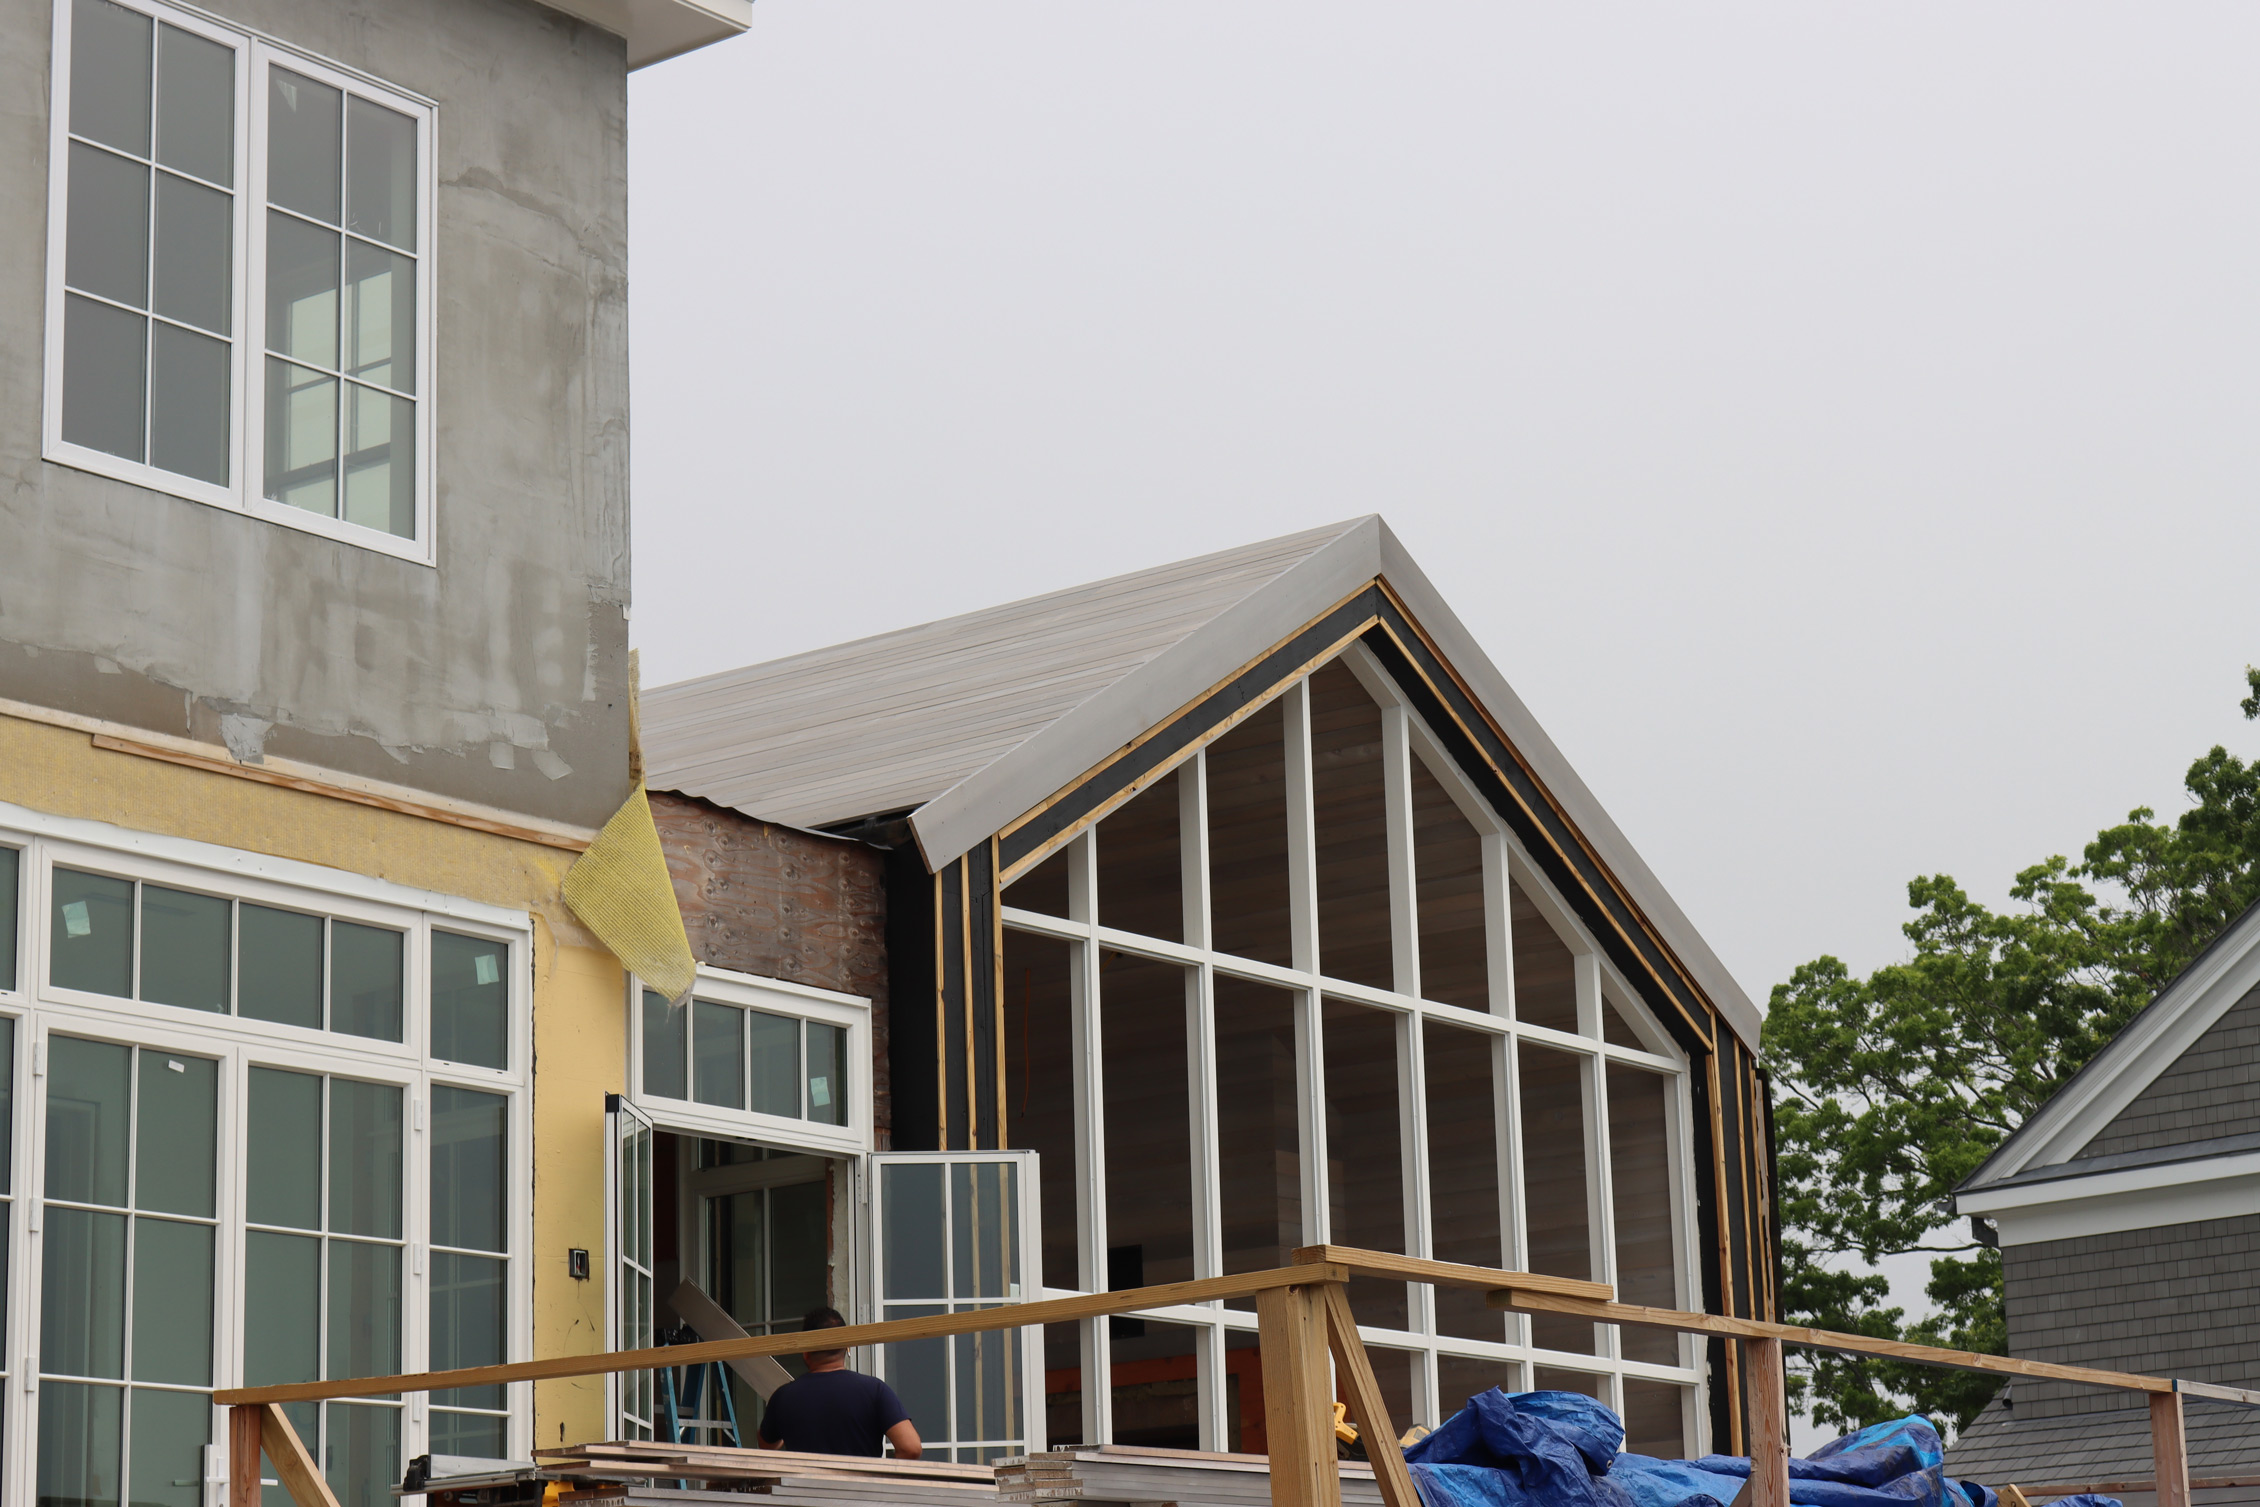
<point x="499" y="677"/>
<point x="2212" y="1090"/>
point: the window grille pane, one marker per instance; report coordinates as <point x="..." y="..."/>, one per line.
<point x="285" y="1150"/>
<point x="362" y="1460"/>
<point x="1464" y="1176"/>
<point x="364" y="1321"/>
<point x="827" y="1074"/>
<point x="1039" y="1083"/>
<point x="1461" y="1377"/>
<point x="80" y="1431"/>
<point x="170" y="1430"/>
<point x="282" y="1331"/>
<point x="279" y="972"/>
<point x="1141" y="881"/>
<point x="469" y="1168"/>
<point x="1365" y="1149"/>
<point x="482" y="1436"/>
<point x="1545" y="970"/>
<point x="380" y="461"/>
<point x="184" y="949"/>
<point x="306" y="1422"/>
<point x="366" y="980"/>
<point x="800" y="1214"/>
<point x="301" y="438"/>
<point x="365" y="1158"/>
<point x="1350" y="819"/>
<point x="10" y="862"/>
<point x="1043" y="888"/>
<point x="302" y="291"/>
<point x="1640" y="1184"/>
<point x="172" y="1301"/>
<point x="984" y="1238"/>
<point x="177" y="1134"/>
<point x="913" y="1206"/>
<point x="7" y="1130"/>
<point x="1247" y="823"/>
<point x="110" y="75"/>
<point x="470" y="1000"/>
<point x="82" y="1300"/>
<point x="196" y="105"/>
<point x="105" y="364"/>
<point x="776" y="1063"/>
<point x="381" y="173"/>
<point x="1616" y="1023"/>
<point x="665" y="1046"/>
<point x="86" y="1120"/>
<point x="188" y="405"/>
<point x="380" y="320"/>
<point x="1448" y="884"/>
<point x="468" y="1311"/>
<point x="1149" y="1152"/>
<point x="302" y="144"/>
<point x="1556" y="1186"/>
<point x="718" y="1048"/>
<point x="1258" y="1133"/>
<point x="106" y="244"/>
<point x="195" y="253"/>
<point x="1653" y="1421"/>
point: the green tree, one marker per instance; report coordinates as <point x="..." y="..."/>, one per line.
<point x="1892" y="1088"/>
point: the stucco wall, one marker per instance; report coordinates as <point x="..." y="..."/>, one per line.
<point x="498" y="677"/>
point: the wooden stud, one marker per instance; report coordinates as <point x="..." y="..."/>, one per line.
<point x="2012" y="1496"/>
<point x="1392" y="1267"/>
<point x="244" y="1427"/>
<point x="1297" y="1398"/>
<point x="1769" y="1422"/>
<point x="1367" y="1409"/>
<point x="295" y="1468"/>
<point x="2169" y="1449"/>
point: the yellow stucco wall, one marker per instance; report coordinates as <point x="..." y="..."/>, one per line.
<point x="579" y="1034"/>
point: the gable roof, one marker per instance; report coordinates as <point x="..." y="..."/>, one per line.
<point x="970" y="722"/>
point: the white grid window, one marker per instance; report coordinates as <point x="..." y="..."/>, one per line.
<point x="1305" y="987"/>
<point x="239" y="274"/>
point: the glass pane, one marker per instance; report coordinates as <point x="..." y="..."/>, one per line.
<point x="1616" y="1025"/>
<point x="468" y="1307"/>
<point x="301" y="438"/>
<point x="1349" y="805"/>
<point x="664" y="1048"/>
<point x="1448" y="897"/>
<point x="1640" y="1186"/>
<point x="279" y="974"/>
<point x="365" y="1158"/>
<point x="1039" y="1083"/>
<point x="912" y="1216"/>
<point x="110" y="75"/>
<point x="1259" y="1136"/>
<point x="172" y="1301"/>
<point x="800" y="1250"/>
<point x="176" y="1134"/>
<point x="7" y="1116"/>
<point x="1043" y="888"/>
<point x="195" y="249"/>
<point x="1149" y="1156"/>
<point x="302" y="293"/>
<point x="285" y="1149"/>
<point x="1141" y="883"/>
<point x="86" y="1119"/>
<point x="1556" y="1185"/>
<point x="363" y="1458"/>
<point x="1156" y="1387"/>
<point x="1460" y="1378"/>
<point x="919" y="1373"/>
<point x="184" y="949"/>
<point x="984" y="1231"/>
<point x="776" y="1063"/>
<point x="80" y="1431"/>
<point x="380" y="166"/>
<point x="1654" y="1423"/>
<point x="170" y="1430"/>
<point x="1247" y="854"/>
<point x="718" y="1054"/>
<point x="92" y="933"/>
<point x="188" y="404"/>
<point x="366" y="975"/>
<point x="480" y="1435"/>
<point x="282" y="1331"/>
<point x="364" y="1323"/>
<point x="1463" y="1173"/>
<point x="468" y="1168"/>
<point x="106" y="243"/>
<point x="470" y="999"/>
<point x="827" y="1074"/>
<point x="104" y="364"/>
<point x="196" y="105"/>
<point x="1365" y="1167"/>
<point x="988" y="1391"/>
<point x="1545" y="970"/>
<point x="302" y="144"/>
<point x="10" y="862"/>
<point x="306" y="1422"/>
<point x="380" y="461"/>
<point x="82" y="1300"/>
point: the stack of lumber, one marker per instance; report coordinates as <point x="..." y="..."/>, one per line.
<point x="638" y="1471"/>
<point x="1120" y="1473"/>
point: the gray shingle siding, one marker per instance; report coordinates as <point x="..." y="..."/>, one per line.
<point x="2212" y="1090"/>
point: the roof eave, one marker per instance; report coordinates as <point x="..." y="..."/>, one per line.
<point x="656" y="30"/>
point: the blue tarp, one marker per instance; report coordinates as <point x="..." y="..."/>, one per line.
<point x="1559" y="1449"/>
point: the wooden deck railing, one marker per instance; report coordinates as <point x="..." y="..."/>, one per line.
<point x="1303" y="1318"/>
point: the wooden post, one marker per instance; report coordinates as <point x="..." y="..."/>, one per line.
<point x="300" y="1476"/>
<point x="1767" y="1385"/>
<point x="1375" y="1431"/>
<point x="2169" y="1449"/>
<point x="1298" y="1398"/>
<point x="243" y="1455"/>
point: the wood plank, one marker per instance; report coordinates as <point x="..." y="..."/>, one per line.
<point x="244" y="1426"/>
<point x="2125" y="1488"/>
<point x="1823" y="1339"/>
<point x="2011" y="1496"/>
<point x="1297" y="1399"/>
<point x="1392" y="1267"/>
<point x="1768" y="1384"/>
<point x="1003" y="1316"/>
<point x="764" y="1373"/>
<point x="2169" y="1449"/>
<point x="1367" y="1407"/>
<point x="2213" y="1393"/>
<point x="295" y="1468"/>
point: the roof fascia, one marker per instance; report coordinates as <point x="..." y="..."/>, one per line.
<point x="2153" y="1041"/>
<point x="656" y="30"/>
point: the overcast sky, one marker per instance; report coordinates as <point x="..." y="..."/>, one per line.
<point x="1836" y="421"/>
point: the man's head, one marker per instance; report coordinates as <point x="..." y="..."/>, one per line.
<point x="823" y="1317"/>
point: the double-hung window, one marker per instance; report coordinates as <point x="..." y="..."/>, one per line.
<point x="239" y="275"/>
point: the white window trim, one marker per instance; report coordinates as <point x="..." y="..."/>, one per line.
<point x="255" y="52"/>
<point x="777" y="997"/>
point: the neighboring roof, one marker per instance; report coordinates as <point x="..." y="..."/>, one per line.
<point x="1999" y="1447"/>
<point x="972" y="721"/>
<point x="656" y="30"/>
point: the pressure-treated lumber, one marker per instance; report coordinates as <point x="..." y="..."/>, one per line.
<point x="1768" y="1383"/>
<point x="244" y="1430"/>
<point x="1003" y="1316"/>
<point x="1375" y="1430"/>
<point x="2169" y="1449"/>
<point x="1297" y="1398"/>
<point x="295" y="1468"/>
<point x="1391" y="1267"/>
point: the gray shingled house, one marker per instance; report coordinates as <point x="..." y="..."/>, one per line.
<point x="2127" y="1211"/>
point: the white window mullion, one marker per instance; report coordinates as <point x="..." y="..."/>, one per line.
<point x="1090" y="1134"/>
<point x="1302" y="837"/>
<point x="1600" y="1183"/>
<point x="1514" y="1224"/>
<point x="1404" y="926"/>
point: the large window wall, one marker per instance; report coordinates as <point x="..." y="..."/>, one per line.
<point x="1306" y="987"/>
<point x="259" y="1122"/>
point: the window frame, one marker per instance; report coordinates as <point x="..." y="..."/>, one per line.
<point x="246" y="492"/>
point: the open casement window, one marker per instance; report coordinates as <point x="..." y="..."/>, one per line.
<point x="631" y="1298"/>
<point x="953" y="1231"/>
<point x="239" y="275"/>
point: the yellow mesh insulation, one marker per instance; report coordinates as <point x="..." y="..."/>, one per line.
<point x="620" y="890"/>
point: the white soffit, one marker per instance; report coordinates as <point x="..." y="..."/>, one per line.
<point x="660" y="29"/>
<point x="2130" y="1198"/>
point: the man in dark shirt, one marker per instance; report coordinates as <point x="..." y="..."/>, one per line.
<point x="834" y="1411"/>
